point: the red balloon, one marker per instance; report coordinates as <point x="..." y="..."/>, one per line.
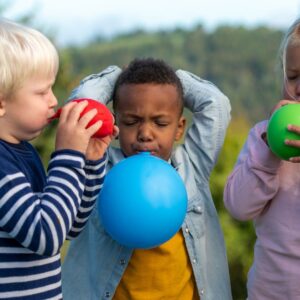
<point x="103" y="114"/>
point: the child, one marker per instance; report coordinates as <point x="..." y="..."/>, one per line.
<point x="148" y="104"/>
<point x="37" y="213"/>
<point x="266" y="189"/>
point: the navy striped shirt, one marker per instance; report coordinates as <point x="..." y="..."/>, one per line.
<point x="37" y="214"/>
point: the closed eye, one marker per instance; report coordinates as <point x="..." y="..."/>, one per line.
<point x="162" y="121"/>
<point x="292" y="75"/>
<point x="291" y="78"/>
<point x="130" y="122"/>
<point x="162" y="124"/>
<point x="43" y="92"/>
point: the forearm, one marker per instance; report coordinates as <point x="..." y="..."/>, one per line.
<point x="40" y="222"/>
<point x="98" y="86"/>
<point x="211" y="116"/>
<point x="254" y="181"/>
<point x="95" y="174"/>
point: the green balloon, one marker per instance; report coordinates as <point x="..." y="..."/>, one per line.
<point x="277" y="131"/>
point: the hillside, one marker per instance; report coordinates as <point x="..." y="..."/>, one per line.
<point x="241" y="61"/>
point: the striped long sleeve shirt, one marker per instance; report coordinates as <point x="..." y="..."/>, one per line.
<point x="37" y="213"/>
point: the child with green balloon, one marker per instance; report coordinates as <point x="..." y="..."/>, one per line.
<point x="265" y="186"/>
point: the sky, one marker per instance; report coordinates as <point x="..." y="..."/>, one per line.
<point x="74" y="22"/>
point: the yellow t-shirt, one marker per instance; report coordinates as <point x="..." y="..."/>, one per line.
<point x="160" y="273"/>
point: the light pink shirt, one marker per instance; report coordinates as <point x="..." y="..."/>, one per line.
<point x="266" y="189"/>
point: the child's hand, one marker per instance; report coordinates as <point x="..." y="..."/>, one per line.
<point x="291" y="127"/>
<point x="97" y="146"/>
<point x="294" y="143"/>
<point x="279" y="104"/>
<point x="71" y="131"/>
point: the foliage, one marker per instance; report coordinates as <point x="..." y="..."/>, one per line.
<point x="241" y="61"/>
<point x="239" y="236"/>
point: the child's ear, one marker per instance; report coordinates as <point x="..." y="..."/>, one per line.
<point x="180" y="128"/>
<point x="115" y="123"/>
<point x="2" y="107"/>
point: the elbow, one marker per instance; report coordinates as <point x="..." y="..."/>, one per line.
<point x="235" y="209"/>
<point x="72" y="235"/>
<point x="49" y="248"/>
<point x="239" y="215"/>
<point x="49" y="251"/>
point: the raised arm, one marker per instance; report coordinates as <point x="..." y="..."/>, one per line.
<point x="98" y="86"/>
<point x="211" y="116"/>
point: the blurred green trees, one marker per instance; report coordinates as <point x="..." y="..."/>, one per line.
<point x="239" y="236"/>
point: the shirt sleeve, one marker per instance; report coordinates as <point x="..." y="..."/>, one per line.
<point x="254" y="180"/>
<point x="211" y="116"/>
<point x="98" y="86"/>
<point x="40" y="221"/>
<point x="95" y="174"/>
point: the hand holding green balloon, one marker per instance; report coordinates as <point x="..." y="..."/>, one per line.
<point x="278" y="132"/>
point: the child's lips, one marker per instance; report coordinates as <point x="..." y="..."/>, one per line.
<point x="55" y="115"/>
<point x="50" y="119"/>
<point x="145" y="150"/>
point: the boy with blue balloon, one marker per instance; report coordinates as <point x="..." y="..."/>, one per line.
<point x="148" y="100"/>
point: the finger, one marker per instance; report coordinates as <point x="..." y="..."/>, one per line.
<point x="294" y="128"/>
<point x="294" y="159"/>
<point x="87" y="117"/>
<point x="65" y="110"/>
<point x="280" y="104"/>
<point x="285" y="102"/>
<point x="115" y="131"/>
<point x="94" y="128"/>
<point x="75" y="112"/>
<point x="293" y="143"/>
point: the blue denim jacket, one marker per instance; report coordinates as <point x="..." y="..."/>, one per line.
<point x="95" y="263"/>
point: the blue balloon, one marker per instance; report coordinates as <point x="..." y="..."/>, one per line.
<point x="143" y="201"/>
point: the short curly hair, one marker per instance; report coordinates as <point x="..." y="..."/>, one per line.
<point x="148" y="70"/>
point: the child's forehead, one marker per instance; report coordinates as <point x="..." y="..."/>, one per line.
<point x="160" y="97"/>
<point x="40" y="77"/>
<point x="293" y="57"/>
<point x="145" y="89"/>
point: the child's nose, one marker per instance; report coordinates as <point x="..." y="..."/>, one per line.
<point x="145" y="133"/>
<point x="52" y="100"/>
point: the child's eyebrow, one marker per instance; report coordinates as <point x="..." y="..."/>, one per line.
<point x="136" y="115"/>
<point x="47" y="85"/>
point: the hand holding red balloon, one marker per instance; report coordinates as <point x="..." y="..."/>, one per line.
<point x="85" y="125"/>
<point x="103" y="114"/>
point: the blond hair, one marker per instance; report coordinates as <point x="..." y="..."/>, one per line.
<point x="291" y="38"/>
<point x="24" y="52"/>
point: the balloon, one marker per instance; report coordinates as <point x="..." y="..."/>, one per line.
<point x="143" y="201"/>
<point x="277" y="131"/>
<point x="103" y="114"/>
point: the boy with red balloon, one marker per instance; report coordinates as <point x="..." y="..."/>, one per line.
<point x="38" y="211"/>
<point x="148" y="100"/>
